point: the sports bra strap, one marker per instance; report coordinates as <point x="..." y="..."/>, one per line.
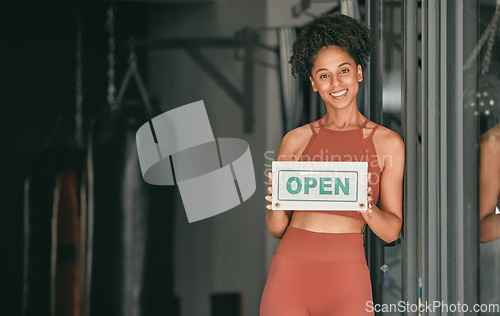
<point x="320" y="124"/>
<point x="373" y="131"/>
<point x="365" y="123"/>
<point x="312" y="128"/>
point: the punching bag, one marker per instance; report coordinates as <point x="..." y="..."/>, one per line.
<point x="53" y="220"/>
<point x="131" y="231"/>
<point x="68" y="227"/>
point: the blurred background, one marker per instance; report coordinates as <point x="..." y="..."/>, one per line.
<point x="82" y="233"/>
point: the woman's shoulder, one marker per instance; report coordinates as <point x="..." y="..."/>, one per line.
<point x="388" y="140"/>
<point x="294" y="142"/>
<point x="387" y="134"/>
<point x="303" y="131"/>
<point x="390" y="148"/>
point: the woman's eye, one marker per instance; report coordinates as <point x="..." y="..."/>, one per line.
<point x="344" y="71"/>
<point x="323" y="76"/>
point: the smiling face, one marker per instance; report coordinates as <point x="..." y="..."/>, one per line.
<point x="336" y="77"/>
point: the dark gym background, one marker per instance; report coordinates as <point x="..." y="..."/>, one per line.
<point x="218" y="266"/>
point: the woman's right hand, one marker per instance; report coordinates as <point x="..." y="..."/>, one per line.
<point x="269" y="196"/>
<point x="277" y="220"/>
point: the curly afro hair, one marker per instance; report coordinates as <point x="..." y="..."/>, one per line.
<point x="330" y="30"/>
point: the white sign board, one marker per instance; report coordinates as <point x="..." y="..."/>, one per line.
<point x="323" y="186"/>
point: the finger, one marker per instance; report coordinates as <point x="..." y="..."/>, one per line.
<point x="369" y="199"/>
<point x="369" y="190"/>
<point x="270" y="190"/>
<point x="370" y="205"/>
<point x="269" y="207"/>
<point x="269" y="198"/>
<point x="270" y="177"/>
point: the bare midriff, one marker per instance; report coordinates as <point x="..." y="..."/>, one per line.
<point x="317" y="221"/>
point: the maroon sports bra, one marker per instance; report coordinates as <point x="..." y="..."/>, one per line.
<point x="332" y="145"/>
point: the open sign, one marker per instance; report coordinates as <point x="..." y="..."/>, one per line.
<point x="332" y="186"/>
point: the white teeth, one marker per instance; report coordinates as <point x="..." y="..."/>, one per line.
<point x="338" y="94"/>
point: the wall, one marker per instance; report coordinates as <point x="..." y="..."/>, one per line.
<point x="223" y="253"/>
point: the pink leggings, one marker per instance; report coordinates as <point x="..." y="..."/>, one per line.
<point x="317" y="274"/>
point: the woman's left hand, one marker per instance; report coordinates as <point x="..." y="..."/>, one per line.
<point x="367" y="215"/>
<point x="369" y="200"/>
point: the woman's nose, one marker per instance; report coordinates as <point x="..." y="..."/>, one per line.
<point x="334" y="81"/>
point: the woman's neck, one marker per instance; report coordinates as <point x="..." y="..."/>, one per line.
<point x="343" y="118"/>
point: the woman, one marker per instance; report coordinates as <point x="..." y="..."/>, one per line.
<point x="319" y="267"/>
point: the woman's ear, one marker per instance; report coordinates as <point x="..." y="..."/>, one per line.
<point x="360" y="73"/>
<point x="313" y="84"/>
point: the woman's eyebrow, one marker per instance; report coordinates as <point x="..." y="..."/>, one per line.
<point x="342" y="64"/>
<point x="321" y="69"/>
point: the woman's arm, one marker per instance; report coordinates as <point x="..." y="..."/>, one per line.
<point x="489" y="184"/>
<point x="291" y="146"/>
<point x="386" y="221"/>
<point x="277" y="220"/>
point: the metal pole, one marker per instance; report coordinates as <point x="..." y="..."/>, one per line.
<point x="408" y="114"/>
<point x="458" y="170"/>
<point x="445" y="143"/>
<point x="432" y="101"/>
<point x="469" y="133"/>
